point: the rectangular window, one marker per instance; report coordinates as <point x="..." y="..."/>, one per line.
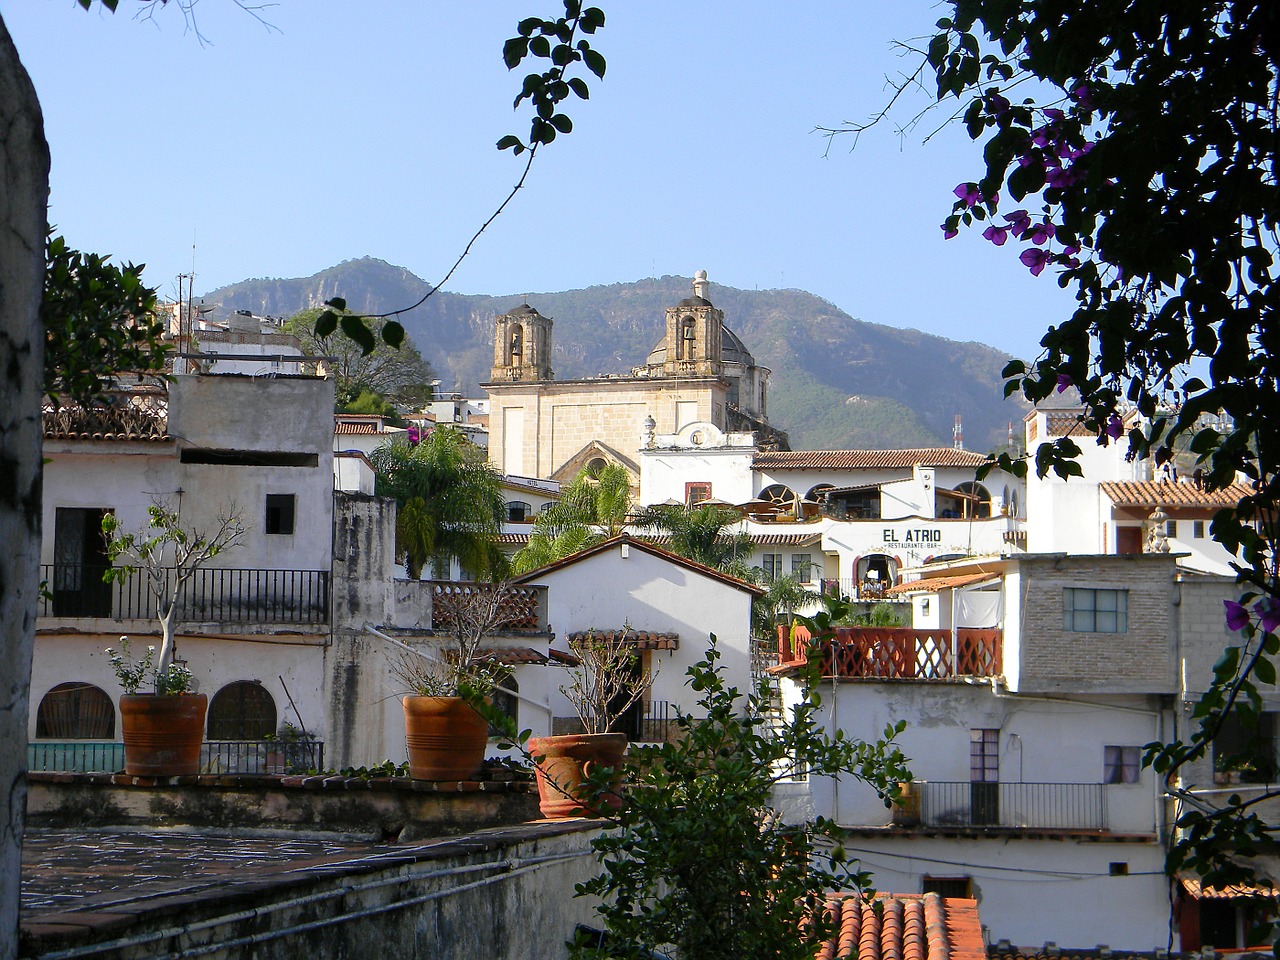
<point x="1171" y="528"/>
<point x="984" y="755"/>
<point x="802" y="567"/>
<point x="1095" y="611"/>
<point x="772" y="563"/>
<point x="280" y="513"/>
<point x="1121" y="764"/>
<point x="696" y="492"/>
<point x="961" y="887"/>
<point x="1197" y="529"/>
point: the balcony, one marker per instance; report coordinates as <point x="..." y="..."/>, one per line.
<point x="964" y="805"/>
<point x="435" y="604"/>
<point x="867" y="590"/>
<point x="216" y="756"/>
<point x="899" y="653"/>
<point x="213" y="595"/>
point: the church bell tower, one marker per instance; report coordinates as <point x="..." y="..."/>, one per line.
<point x="522" y="346"/>
<point x="694" y="334"/>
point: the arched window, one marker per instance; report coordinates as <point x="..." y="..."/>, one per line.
<point x="519" y="511"/>
<point x="517" y="345"/>
<point x="595" y="465"/>
<point x="76" y="711"/>
<point x="977" y="499"/>
<point x="686" y="349"/>
<point x="780" y="494"/>
<point x="242" y="710"/>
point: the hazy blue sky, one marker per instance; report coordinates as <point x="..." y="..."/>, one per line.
<point x="353" y="129"/>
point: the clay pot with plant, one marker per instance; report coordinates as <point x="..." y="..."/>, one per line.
<point x="164" y="729"/>
<point x="446" y="735"/>
<point x="579" y="774"/>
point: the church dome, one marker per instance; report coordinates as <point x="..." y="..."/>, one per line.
<point x="524" y="310"/>
<point x="732" y="349"/>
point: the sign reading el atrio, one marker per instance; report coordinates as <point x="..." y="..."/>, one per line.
<point x="913" y="535"/>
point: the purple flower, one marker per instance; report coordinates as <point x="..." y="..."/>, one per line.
<point x="413" y="435"/>
<point x="1019" y="222"/>
<point x="997" y="235"/>
<point x="997" y="105"/>
<point x="1041" y="233"/>
<point x="1237" y="616"/>
<point x="968" y="194"/>
<point x="1055" y="114"/>
<point x="1083" y="96"/>
<point x="1268" y="610"/>
<point x="1035" y="259"/>
<point x="1115" y="428"/>
<point x="1040" y="136"/>
<point x="948" y="231"/>
<point x="1059" y="178"/>
<point x="1064" y="381"/>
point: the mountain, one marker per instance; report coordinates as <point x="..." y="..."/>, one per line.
<point x="837" y="382"/>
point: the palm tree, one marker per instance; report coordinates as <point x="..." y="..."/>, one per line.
<point x="703" y="534"/>
<point x="782" y="597"/>
<point x="594" y="506"/>
<point x="450" y="503"/>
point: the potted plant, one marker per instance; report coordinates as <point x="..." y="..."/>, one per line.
<point x="162" y="730"/>
<point x="570" y="768"/>
<point x="445" y="734"/>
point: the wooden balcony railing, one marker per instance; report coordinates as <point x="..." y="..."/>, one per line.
<point x="899" y="653"/>
<point x="213" y="595"/>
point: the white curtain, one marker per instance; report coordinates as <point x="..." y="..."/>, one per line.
<point x="978" y="608"/>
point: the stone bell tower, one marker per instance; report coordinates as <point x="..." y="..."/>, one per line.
<point x="522" y="346"/>
<point x="693" y="341"/>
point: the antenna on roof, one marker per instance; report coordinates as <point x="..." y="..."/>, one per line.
<point x="957" y="434"/>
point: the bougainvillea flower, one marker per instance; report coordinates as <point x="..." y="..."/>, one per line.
<point x="1041" y="233"/>
<point x="968" y="193"/>
<point x="1019" y="222"/>
<point x="1060" y="178"/>
<point x="1055" y="114"/>
<point x="1237" y="616"/>
<point x="1035" y="259"/>
<point x="997" y="105"/>
<point x="1268" y="610"/>
<point x="1114" y="427"/>
<point x="1064" y="381"/>
<point x="997" y="235"/>
<point x="1083" y="96"/>
<point x="948" y="231"/>
<point x="1040" y="137"/>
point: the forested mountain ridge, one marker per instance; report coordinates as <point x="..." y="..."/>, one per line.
<point x="837" y="382"/>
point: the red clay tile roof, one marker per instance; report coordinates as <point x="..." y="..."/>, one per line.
<point x="511" y="656"/>
<point x="513" y="539"/>
<point x="934" y="584"/>
<point x="1195" y="889"/>
<point x="1152" y="493"/>
<point x="902" y="927"/>
<point x="354" y="429"/>
<point x="865" y="459"/>
<point x="640" y="639"/>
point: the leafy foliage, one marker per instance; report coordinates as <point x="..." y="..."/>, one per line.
<point x="594" y="506"/>
<point x="449" y="502"/>
<point x="99" y="320"/>
<point x="1143" y="161"/>
<point x="700" y="861"/>
<point x="399" y="374"/>
<point x="703" y="534"/>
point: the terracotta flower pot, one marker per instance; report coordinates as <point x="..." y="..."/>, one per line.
<point x="563" y="765"/>
<point x="445" y="736"/>
<point x="162" y="733"/>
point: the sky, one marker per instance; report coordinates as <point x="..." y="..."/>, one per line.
<point x="317" y="131"/>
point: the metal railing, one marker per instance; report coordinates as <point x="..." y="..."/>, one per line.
<point x="216" y="756"/>
<point x="213" y="595"/>
<point x="656" y="724"/>
<point x="1022" y="806"/>
<point x="900" y="653"/>
<point x="853" y="589"/>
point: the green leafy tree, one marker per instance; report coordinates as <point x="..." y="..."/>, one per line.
<point x="594" y="506"/>
<point x="701" y="863"/>
<point x="449" y="501"/>
<point x="398" y="374"/>
<point x="704" y="534"/>
<point x="783" y="596"/>
<point x="1129" y="150"/>
<point x="99" y="320"/>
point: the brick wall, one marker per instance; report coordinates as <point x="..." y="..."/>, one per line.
<point x="1139" y="660"/>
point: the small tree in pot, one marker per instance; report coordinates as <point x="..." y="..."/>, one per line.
<point x="162" y="730"/>
<point x="445" y="733"/>
<point x="606" y="682"/>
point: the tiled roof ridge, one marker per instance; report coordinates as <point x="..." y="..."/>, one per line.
<point x="1172" y="493"/>
<point x="854" y="459"/>
<point x="935" y="925"/>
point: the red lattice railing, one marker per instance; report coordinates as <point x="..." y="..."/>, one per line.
<point x="899" y="653"/>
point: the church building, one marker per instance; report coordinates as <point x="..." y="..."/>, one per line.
<point x="698" y="371"/>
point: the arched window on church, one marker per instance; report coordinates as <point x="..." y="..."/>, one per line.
<point x="76" y="711"/>
<point x="242" y="710"/>
<point x="687" y="347"/>
<point x="517" y="346"/>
